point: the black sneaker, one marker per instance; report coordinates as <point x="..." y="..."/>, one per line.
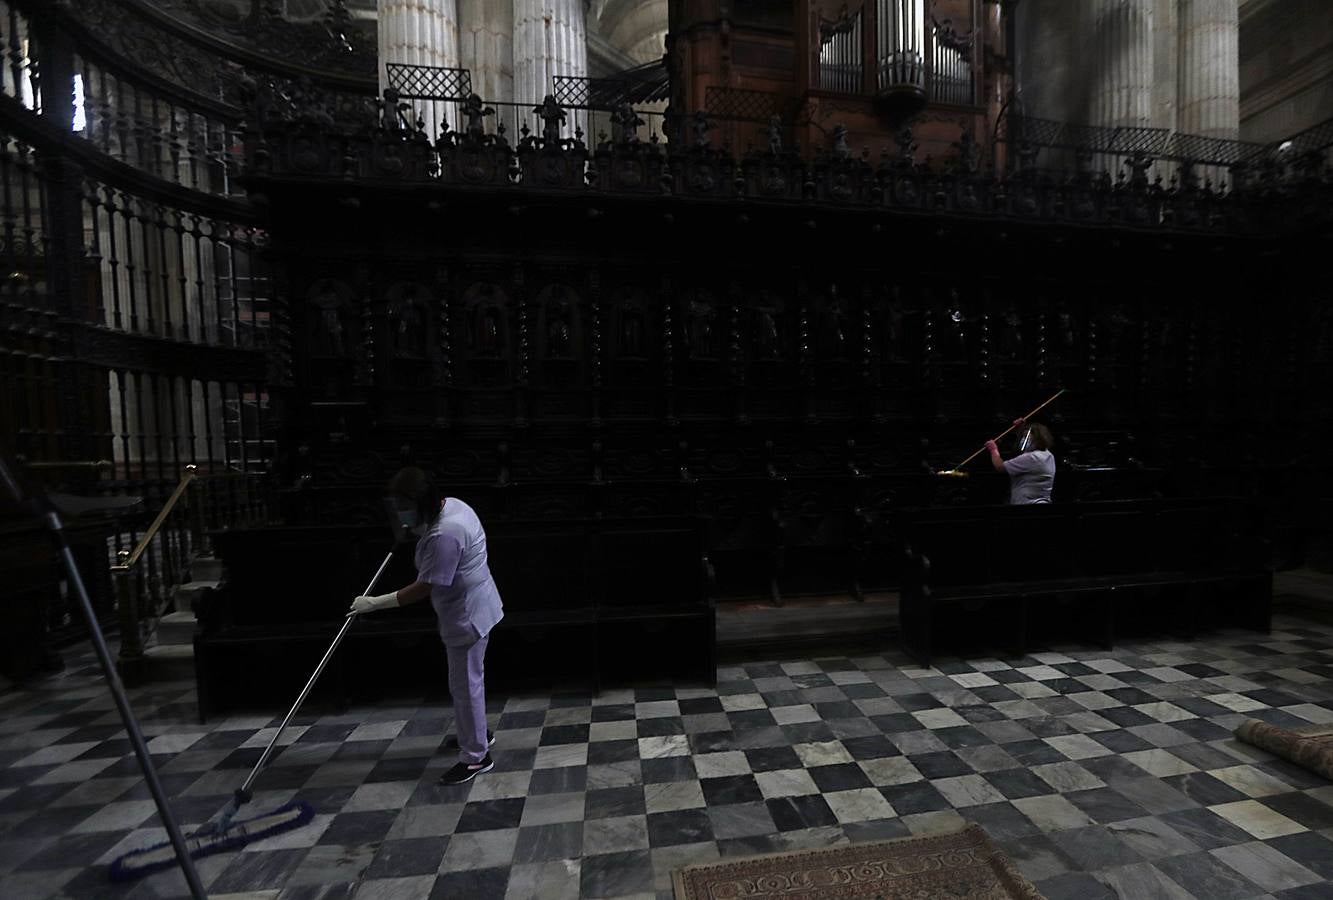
<point x="465" y="772"/>
<point x="451" y="742"/>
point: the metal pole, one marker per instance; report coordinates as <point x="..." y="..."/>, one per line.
<point x="52" y="520"/>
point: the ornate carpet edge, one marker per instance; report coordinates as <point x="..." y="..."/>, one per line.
<point x="1007" y="873"/>
<point x="1310" y="747"/>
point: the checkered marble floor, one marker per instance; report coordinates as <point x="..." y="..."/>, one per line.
<point x="1102" y="774"/>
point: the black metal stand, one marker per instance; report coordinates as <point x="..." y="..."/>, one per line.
<point x="52" y="520"/>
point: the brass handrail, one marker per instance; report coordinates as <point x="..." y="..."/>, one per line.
<point x="127" y="559"/>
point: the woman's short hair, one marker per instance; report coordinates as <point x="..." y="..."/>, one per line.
<point x="1041" y="436"/>
<point x="414" y="485"/>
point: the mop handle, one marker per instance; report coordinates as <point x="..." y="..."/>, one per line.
<point x="328" y="654"/>
<point x="1011" y="428"/>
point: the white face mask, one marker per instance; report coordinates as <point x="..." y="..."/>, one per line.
<point x="1025" y="442"/>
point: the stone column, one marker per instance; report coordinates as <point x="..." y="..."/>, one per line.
<point x="549" y="39"/>
<point x="1209" y="79"/>
<point x="423" y="33"/>
<point x="1121" y="35"/>
<point x="486" y="47"/>
<point x="1050" y="68"/>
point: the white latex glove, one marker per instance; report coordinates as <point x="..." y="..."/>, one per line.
<point x="365" y="604"/>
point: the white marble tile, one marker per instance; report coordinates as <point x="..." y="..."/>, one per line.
<point x="974" y="679"/>
<point x="656" y="709"/>
<point x="1311" y="713"/>
<point x="785" y="783"/>
<point x="788" y="715"/>
<point x="1042" y="673"/>
<point x="1164" y="712"/>
<point x="890" y="771"/>
<point x="54" y="755"/>
<point x="672" y="795"/>
<point x="1266" y="867"/>
<point x="967" y="790"/>
<point x="548" y="809"/>
<point x="384" y="795"/>
<point x="499" y="786"/>
<point x="1078" y="746"/>
<point x="938" y="822"/>
<point x="1160" y="763"/>
<point x="569" y="715"/>
<point x="1052" y="812"/>
<point x="1031" y="690"/>
<point x="1067" y="776"/>
<point x="1257" y="819"/>
<point x="716" y="765"/>
<point x="558" y="756"/>
<point x="120" y="815"/>
<point x="827" y="753"/>
<point x="861" y="805"/>
<point x="613" y="731"/>
<point x="291" y="734"/>
<point x="556" y="879"/>
<point x="1094" y="700"/>
<point x="663" y="746"/>
<point x="939" y="718"/>
<point x="479" y="850"/>
<point x="1250" y="781"/>
<point x="409" y="887"/>
<point x="738" y="702"/>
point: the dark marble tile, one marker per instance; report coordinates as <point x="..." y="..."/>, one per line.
<point x="608" y="803"/>
<point x="962" y="736"/>
<point x="403" y="769"/>
<point x="34" y="797"/>
<point x="896" y="723"/>
<point x="1105" y="805"/>
<point x="668" y="768"/>
<point x="426" y="726"/>
<point x="574" y="699"/>
<point x="1048" y="726"/>
<point x="357" y="750"/>
<point x="564" y="734"/>
<point x="995" y="693"/>
<point x="1207" y="877"/>
<point x="561" y="780"/>
<point x="918" y="797"/>
<point x="873" y="746"/>
<point x="700" y="705"/>
<point x="918" y="702"/>
<point x="770" y="759"/>
<point x="616" y="874"/>
<point x="79" y="849"/>
<point x="602" y="752"/>
<point x="660" y="692"/>
<point x="799" y="813"/>
<point x="489" y="815"/>
<point x="1204" y="789"/>
<point x="731" y="789"/>
<point x="1017" y="783"/>
<point x="315" y="734"/>
<point x="1120" y="741"/>
<point x="862" y="691"/>
<point x="842" y="709"/>
<point x="1202" y="756"/>
<point x="683" y="826"/>
<point x="1314" y="851"/>
<point x="940" y="765"/>
<point x="536" y="843"/>
<point x="1036" y="856"/>
<point x="1075" y="886"/>
<point x="1001" y="820"/>
<point x="616" y="712"/>
<point x="470" y="883"/>
<point x="1095" y="848"/>
<point x="359" y="827"/>
<point x="1034" y="753"/>
<point x="660" y="726"/>
<point x="415" y="856"/>
<point x="983" y="713"/>
<point x="1205" y="828"/>
<point x="327" y="800"/>
<point x="840" y="777"/>
<point x="516" y="760"/>
<point x="808" y="732"/>
<point x="711" y="742"/>
<point x="879" y="830"/>
<point x="1302" y="808"/>
<point x="53" y="821"/>
<point x="1112" y="769"/>
<point x="1125" y="717"/>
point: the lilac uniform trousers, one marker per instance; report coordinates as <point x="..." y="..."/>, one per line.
<point x="452" y="559"/>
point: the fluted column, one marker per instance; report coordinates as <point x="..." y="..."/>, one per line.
<point x="423" y="33"/>
<point x="1209" y="95"/>
<point x="1121" y="32"/>
<point x="486" y="46"/>
<point x="1051" y="67"/>
<point x="549" y="39"/>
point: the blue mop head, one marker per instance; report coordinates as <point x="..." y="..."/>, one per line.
<point x="138" y="863"/>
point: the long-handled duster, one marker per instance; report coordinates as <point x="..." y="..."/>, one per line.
<point x="224" y="832"/>
<point x="957" y="471"/>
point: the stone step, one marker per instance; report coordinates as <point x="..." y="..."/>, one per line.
<point x="205" y="568"/>
<point x="175" y="629"/>
<point x="169" y="662"/>
<point x="188" y="593"/>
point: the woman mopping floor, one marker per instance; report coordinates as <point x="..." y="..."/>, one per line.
<point x="452" y="571"/>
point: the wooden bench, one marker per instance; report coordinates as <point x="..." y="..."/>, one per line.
<point x="584" y="600"/>
<point x="1010" y="569"/>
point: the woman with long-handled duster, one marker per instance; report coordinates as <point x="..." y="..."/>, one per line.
<point x="1032" y="471"/>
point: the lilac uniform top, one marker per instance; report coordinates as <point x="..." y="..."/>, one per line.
<point x="1031" y="476"/>
<point x="451" y="558"/>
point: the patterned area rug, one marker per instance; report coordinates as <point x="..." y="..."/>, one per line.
<point x="961" y="865"/>
<point x="1310" y="747"/>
